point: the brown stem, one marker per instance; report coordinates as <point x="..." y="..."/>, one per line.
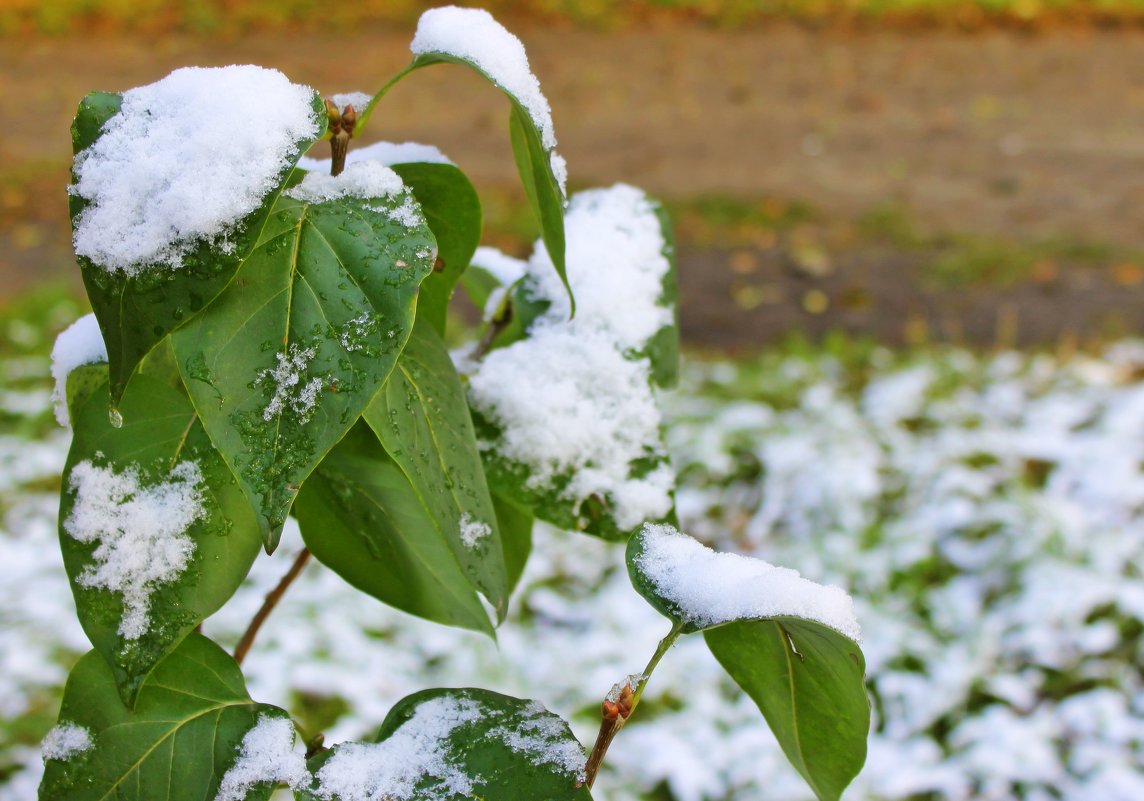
<point x="500" y="321"/>
<point x="272" y="599"/>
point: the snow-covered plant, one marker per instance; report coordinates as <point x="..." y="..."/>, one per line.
<point x="267" y="341"/>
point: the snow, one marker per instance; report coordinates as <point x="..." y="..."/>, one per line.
<point x="79" y="344"/>
<point x="140" y="532"/>
<point x="291" y="389"/>
<point x="66" y="740"/>
<point x="267" y="754"/>
<point x="173" y="167"/>
<point x="392" y="769"/>
<point x="543" y="738"/>
<point x="711" y="588"/>
<point x="385" y="153"/>
<point x="473" y="35"/>
<point x="407" y="214"/>
<point x="572" y="398"/>
<point x="473" y="531"/>
<point x="361" y="179"/>
<point x="359" y="100"/>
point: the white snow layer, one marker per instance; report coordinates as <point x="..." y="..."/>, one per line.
<point x="79" y="344"/>
<point x="506" y="269"/>
<point x="570" y="398"/>
<point x="710" y="588"/>
<point x="267" y="754"/>
<point x="140" y="532"/>
<point x="359" y="100"/>
<point x="472" y="34"/>
<point x="362" y="179"/>
<point x="385" y="153"/>
<point x="174" y="167"/>
<point x="392" y="768"/>
<point x="66" y="740"/>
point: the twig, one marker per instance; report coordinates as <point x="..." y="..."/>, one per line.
<point x="621" y="703"/>
<point x="272" y="599"/>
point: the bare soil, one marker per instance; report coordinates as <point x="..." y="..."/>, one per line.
<point x="999" y="133"/>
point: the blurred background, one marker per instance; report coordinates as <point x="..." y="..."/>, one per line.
<point x="911" y="277"/>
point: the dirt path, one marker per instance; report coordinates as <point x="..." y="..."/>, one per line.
<point x="997" y="133"/>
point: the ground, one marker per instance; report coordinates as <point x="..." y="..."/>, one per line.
<point x="996" y="151"/>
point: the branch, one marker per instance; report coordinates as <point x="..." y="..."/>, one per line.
<point x="272" y="599"/>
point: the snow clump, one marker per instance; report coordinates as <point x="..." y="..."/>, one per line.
<point x="79" y="344"/>
<point x="174" y="167"/>
<point x="140" y="532"/>
<point x="267" y="754"/>
<point x="66" y="740"/>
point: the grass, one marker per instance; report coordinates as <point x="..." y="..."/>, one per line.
<point x="233" y="17"/>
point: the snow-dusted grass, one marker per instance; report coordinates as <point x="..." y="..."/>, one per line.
<point x="984" y="513"/>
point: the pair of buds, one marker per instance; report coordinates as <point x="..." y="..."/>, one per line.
<point x="341" y="127"/>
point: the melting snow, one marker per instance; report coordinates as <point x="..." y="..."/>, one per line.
<point x="711" y="588"/>
<point x="543" y="738"/>
<point x="473" y="531"/>
<point x="174" y="167"/>
<point x="267" y="754"/>
<point x="65" y="740"/>
<point x="79" y="344"/>
<point x="140" y="531"/>
<point x="291" y="389"/>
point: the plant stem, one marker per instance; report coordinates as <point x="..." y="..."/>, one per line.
<point x="615" y="716"/>
<point x="272" y="599"/>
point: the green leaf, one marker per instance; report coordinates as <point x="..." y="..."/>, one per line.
<point x="362" y="518"/>
<point x="458" y="745"/>
<point x="149" y="458"/>
<point x="136" y="311"/>
<point x="183" y="735"/>
<point x="515" y="524"/>
<point x="533" y="160"/>
<point x="453" y="212"/>
<point x="283" y="362"/>
<point x="422" y="421"/>
<point x="807" y="678"/>
<point x="808" y="681"/>
<point x="540" y="185"/>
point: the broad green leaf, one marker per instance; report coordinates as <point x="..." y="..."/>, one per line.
<point x="808" y="681"/>
<point x="453" y="212"/>
<point x="807" y="678"/>
<point x="136" y="311"/>
<point x="457" y="745"/>
<point x="663" y="348"/>
<point x="515" y="524"/>
<point x="422" y="421"/>
<point x="139" y="589"/>
<point x="283" y="362"/>
<point x="185" y="732"/>
<point x="362" y="518"/>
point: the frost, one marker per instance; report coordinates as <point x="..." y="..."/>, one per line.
<point x="79" y="344"/>
<point x="360" y="179"/>
<point x="473" y="531"/>
<point x="267" y="754"/>
<point x="171" y="169"/>
<point x="393" y="768"/>
<point x="543" y="738"/>
<point x="710" y="588"/>
<point x="140" y="532"/>
<point x="291" y="389"/>
<point x="571" y="398"/>
<point x="65" y="741"/>
<point x="472" y="34"/>
<point x="385" y="153"/>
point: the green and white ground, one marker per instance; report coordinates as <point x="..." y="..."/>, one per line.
<point x="986" y="512"/>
